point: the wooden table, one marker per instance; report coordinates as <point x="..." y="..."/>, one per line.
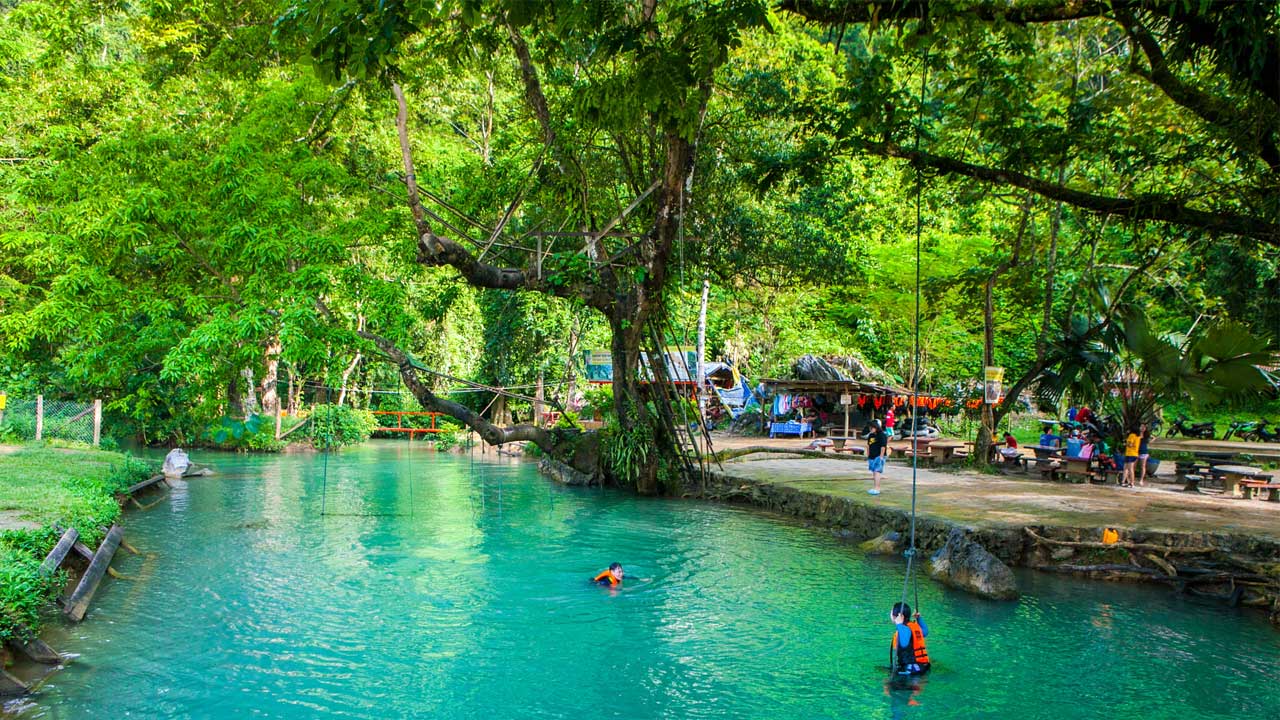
<point x="1077" y="468"/>
<point x="1233" y="474"/>
<point x="1046" y="457"/>
<point x="840" y="440"/>
<point x="944" y="451"/>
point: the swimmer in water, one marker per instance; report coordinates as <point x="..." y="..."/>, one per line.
<point x="611" y="577"/>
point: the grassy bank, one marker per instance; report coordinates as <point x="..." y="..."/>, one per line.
<point x="42" y="486"/>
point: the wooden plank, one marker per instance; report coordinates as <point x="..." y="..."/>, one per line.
<point x="59" y="553"/>
<point x="83" y="551"/>
<point x="37" y="650"/>
<point x="78" y="603"/>
<point x="11" y="686"/>
<point x="144" y="484"/>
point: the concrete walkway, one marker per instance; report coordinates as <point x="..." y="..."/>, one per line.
<point x="972" y="498"/>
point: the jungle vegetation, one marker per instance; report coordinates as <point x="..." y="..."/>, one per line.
<point x="217" y="210"/>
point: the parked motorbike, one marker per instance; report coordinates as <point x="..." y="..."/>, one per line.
<point x="1265" y="435"/>
<point x="1243" y="429"/>
<point x="1202" y="431"/>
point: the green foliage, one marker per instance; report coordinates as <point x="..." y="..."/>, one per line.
<point x="256" y="433"/>
<point x="627" y="450"/>
<point x="452" y="435"/>
<point x="598" y="400"/>
<point x="335" y="426"/>
<point x="70" y="488"/>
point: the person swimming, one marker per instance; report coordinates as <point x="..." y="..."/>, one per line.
<point x="910" y="657"/>
<point x="611" y="577"/>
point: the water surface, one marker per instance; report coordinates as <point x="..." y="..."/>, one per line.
<point x="405" y="583"/>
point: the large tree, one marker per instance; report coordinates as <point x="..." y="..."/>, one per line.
<point x="615" y="96"/>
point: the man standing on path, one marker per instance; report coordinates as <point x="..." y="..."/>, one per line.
<point x="877" y="444"/>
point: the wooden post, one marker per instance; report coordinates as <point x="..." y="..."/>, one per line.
<point x="537" y="406"/>
<point x="11" y="686"/>
<point x="97" y="422"/>
<point x="78" y="604"/>
<point x="39" y="417"/>
<point x="59" y="552"/>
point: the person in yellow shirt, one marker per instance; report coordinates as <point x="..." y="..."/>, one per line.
<point x="1131" y="444"/>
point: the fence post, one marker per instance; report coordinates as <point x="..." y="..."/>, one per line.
<point x="97" y="422"/>
<point x="39" y="417"/>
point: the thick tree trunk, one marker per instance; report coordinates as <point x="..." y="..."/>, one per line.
<point x="267" y="388"/>
<point x="990" y="418"/>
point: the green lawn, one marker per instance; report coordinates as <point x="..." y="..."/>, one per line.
<point x="46" y="485"/>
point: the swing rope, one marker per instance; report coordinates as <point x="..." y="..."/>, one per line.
<point x="909" y="578"/>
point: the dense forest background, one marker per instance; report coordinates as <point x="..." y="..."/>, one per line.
<point x="202" y="205"/>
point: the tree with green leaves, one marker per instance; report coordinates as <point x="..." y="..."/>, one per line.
<point x="615" y="99"/>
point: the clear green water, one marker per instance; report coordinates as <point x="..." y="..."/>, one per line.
<point x="448" y="590"/>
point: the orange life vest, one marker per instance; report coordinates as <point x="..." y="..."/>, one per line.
<point x="917" y="654"/>
<point x="606" y="575"/>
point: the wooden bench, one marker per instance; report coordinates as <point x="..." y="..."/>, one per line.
<point x="1249" y="488"/>
<point x="1106" y="474"/>
<point x="1075" y="470"/>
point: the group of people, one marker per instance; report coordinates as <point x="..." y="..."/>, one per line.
<point x="1090" y="445"/>
<point x="907" y="649"/>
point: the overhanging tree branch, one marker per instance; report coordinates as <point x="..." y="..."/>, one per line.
<point x="861" y="11"/>
<point x="1159" y="208"/>
<point x="434" y="249"/>
<point x="1258" y="131"/>
<point x="491" y="433"/>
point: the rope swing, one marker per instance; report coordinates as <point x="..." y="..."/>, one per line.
<point x="909" y="578"/>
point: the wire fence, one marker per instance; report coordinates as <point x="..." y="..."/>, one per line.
<point x="39" y="418"/>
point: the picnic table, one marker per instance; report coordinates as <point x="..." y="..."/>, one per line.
<point x="944" y="451"/>
<point x="1076" y="469"/>
<point x="840" y="441"/>
<point x="1046" y="459"/>
<point x="1233" y="475"/>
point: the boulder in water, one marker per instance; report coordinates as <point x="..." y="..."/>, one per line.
<point x="966" y="565"/>
<point x="889" y="543"/>
<point x="176" y="463"/>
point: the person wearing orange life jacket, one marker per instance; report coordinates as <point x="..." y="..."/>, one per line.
<point x="611" y="577"/>
<point x="910" y="657"/>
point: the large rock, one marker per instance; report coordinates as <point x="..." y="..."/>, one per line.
<point x="812" y="367"/>
<point x="564" y="474"/>
<point x="176" y="463"/>
<point x="889" y="543"/>
<point x="966" y="565"/>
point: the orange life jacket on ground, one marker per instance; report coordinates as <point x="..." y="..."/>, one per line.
<point x="604" y="577"/>
<point x="917" y="654"/>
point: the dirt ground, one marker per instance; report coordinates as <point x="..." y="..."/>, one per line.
<point x="972" y="498"/>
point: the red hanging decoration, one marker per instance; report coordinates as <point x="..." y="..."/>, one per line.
<point x="878" y="402"/>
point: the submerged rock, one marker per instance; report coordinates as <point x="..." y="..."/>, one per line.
<point x="966" y="565"/>
<point x="564" y="474"/>
<point x="889" y="543"/>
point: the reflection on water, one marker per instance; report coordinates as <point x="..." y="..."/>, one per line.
<point x="404" y="583"/>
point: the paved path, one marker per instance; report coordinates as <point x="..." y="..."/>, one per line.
<point x="973" y="498"/>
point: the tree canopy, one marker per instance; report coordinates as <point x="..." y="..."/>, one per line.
<point x="217" y="210"/>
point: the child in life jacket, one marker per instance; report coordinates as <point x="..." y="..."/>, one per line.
<point x="910" y="657"/>
<point x="611" y="577"/>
